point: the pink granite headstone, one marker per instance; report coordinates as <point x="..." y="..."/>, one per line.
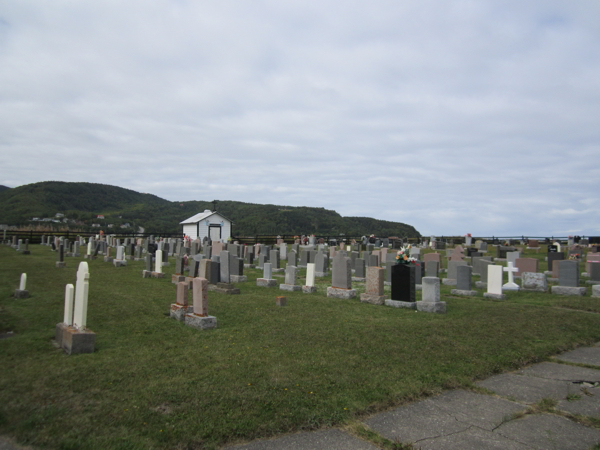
<point x="591" y="257"/>
<point x="182" y="293"/>
<point x="200" y="293"/>
<point x="527" y="265"/>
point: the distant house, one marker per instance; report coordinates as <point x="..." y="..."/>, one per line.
<point x="208" y="224"/>
<point x="99" y="216"/>
<point x="59" y="215"/>
<point x="110" y="225"/>
<point x="96" y="225"/>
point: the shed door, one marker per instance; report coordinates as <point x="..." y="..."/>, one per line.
<point x="214" y="231"/>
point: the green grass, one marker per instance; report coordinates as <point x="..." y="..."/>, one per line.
<point x="154" y="383"/>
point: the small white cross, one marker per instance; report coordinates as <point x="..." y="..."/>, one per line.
<point x="511" y="285"/>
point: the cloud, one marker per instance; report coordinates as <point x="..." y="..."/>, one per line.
<point x="454" y="117"/>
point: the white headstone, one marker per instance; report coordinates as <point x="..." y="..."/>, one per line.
<point x="268" y="271"/>
<point x="81" y="296"/>
<point x="310" y="274"/>
<point x="511" y="285"/>
<point x="89" y="248"/>
<point x="158" y="261"/>
<point x="494" y="281"/>
<point x="557" y="246"/>
<point x="69" y="299"/>
<point x="23" y="284"/>
<point x="120" y="253"/>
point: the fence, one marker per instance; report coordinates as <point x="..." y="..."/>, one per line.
<point x="35" y="237"/>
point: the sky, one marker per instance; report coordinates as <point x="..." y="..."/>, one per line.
<point x="456" y="117"/>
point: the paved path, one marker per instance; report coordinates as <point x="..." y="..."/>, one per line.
<point x="467" y="420"/>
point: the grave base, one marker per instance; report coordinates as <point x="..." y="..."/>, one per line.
<point x="74" y="341"/>
<point x="463" y="292"/>
<point x="547" y="272"/>
<point x="596" y="291"/>
<point x="481" y="284"/>
<point x="238" y="278"/>
<point x="592" y="282"/>
<point x="21" y="293"/>
<point x="553" y="280"/>
<point x="224" y="288"/>
<point x="449" y="281"/>
<point x="146" y="274"/>
<point x="399" y="304"/>
<point x="177" y="278"/>
<point x="510" y="287"/>
<point x="108" y="259"/>
<point x="248" y="266"/>
<point x="61" y="265"/>
<point x="341" y="293"/>
<point x="199" y="322"/>
<point x="119" y="262"/>
<point x="290" y="287"/>
<point x="494" y="296"/>
<point x="158" y="274"/>
<point x="568" y="290"/>
<point x="309" y="289"/>
<point x="263" y="282"/>
<point x="321" y="274"/>
<point x="373" y="299"/>
<point x="178" y="312"/>
<point x="129" y="257"/>
<point x="359" y="279"/>
<point x="432" y="307"/>
<point x="280" y="270"/>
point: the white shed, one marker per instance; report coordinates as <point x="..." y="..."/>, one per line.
<point x="207" y="224"/>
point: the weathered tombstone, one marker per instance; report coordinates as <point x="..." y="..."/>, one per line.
<point x="341" y="278"/>
<point x="594" y="273"/>
<point x="464" y="281"/>
<point x="431" y="295"/>
<point x="60" y="263"/>
<point x="224" y="260"/>
<point x="120" y="260"/>
<point x="274" y="259"/>
<point x="531" y="281"/>
<point x="72" y="334"/>
<point x="22" y="292"/>
<point x="236" y="270"/>
<point x="267" y="279"/>
<point x="374" y="290"/>
<point x="321" y="265"/>
<point x="512" y="257"/>
<point x="292" y="258"/>
<point x="359" y="270"/>
<point x="283" y="251"/>
<point x="200" y="318"/>
<point x="180" y="308"/>
<point x="147" y="272"/>
<point x="452" y="272"/>
<point x="215" y="272"/>
<point x="309" y="287"/>
<point x="431" y="269"/>
<point x="590" y="259"/>
<point x="158" y="273"/>
<point x="290" y="280"/>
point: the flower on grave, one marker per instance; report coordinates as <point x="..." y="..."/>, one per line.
<point x="468" y="235"/>
<point x="574" y="256"/>
<point x="403" y="255"/>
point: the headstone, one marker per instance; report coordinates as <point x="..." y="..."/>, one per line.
<point x="452" y="272"/>
<point x="431" y="269"/>
<point x="158" y="261"/>
<point x="359" y="271"/>
<point x="341" y="278"/>
<point x="180" y="308"/>
<point x="267" y="279"/>
<point x="403" y="283"/>
<point x="81" y="297"/>
<point x="511" y="285"/>
<point x="292" y="258"/>
<point x="60" y="263"/>
<point x="374" y="290"/>
<point x="310" y="287"/>
<point x="290" y="280"/>
<point x="22" y="292"/>
<point x="569" y="279"/>
<point x="431" y="295"/>
<point x="531" y="281"/>
<point x="494" y="282"/>
<point x="274" y="259"/>
<point x="464" y="281"/>
<point x="512" y="257"/>
<point x="557" y="256"/>
<point x="527" y="265"/>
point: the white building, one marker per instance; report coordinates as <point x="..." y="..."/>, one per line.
<point x="207" y="224"/>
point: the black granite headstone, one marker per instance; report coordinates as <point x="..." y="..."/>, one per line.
<point x="552" y="248"/>
<point x="554" y="256"/>
<point x="403" y="282"/>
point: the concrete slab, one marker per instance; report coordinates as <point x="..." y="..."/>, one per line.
<point x="528" y="389"/>
<point x="546" y="431"/>
<point x="318" y="440"/>
<point x="471" y="439"/>
<point x="415" y="422"/>
<point x="586" y="405"/>
<point x="483" y="411"/>
<point x="561" y="372"/>
<point x="583" y="355"/>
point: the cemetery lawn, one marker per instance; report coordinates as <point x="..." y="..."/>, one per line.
<point x="154" y="383"/>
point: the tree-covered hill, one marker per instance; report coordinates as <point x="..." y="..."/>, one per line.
<point x="82" y="203"/>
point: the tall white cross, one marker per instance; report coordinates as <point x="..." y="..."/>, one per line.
<point x="511" y="285"/>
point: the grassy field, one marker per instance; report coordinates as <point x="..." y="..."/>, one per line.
<point x="154" y="383"/>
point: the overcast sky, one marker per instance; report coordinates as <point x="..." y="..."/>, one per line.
<point x="455" y="117"/>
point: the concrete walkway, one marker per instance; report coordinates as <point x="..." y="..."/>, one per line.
<point x="467" y="420"/>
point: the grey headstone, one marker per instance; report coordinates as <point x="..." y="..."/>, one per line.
<point x="224" y="266"/>
<point x="452" y="266"/>
<point x="569" y="273"/>
<point x="342" y="273"/>
<point x="359" y="268"/>
<point x="464" y="278"/>
<point x="290" y="275"/>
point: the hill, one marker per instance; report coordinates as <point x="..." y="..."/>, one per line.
<point x="82" y="203"/>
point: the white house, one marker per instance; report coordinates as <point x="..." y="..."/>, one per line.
<point x="207" y="224"/>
